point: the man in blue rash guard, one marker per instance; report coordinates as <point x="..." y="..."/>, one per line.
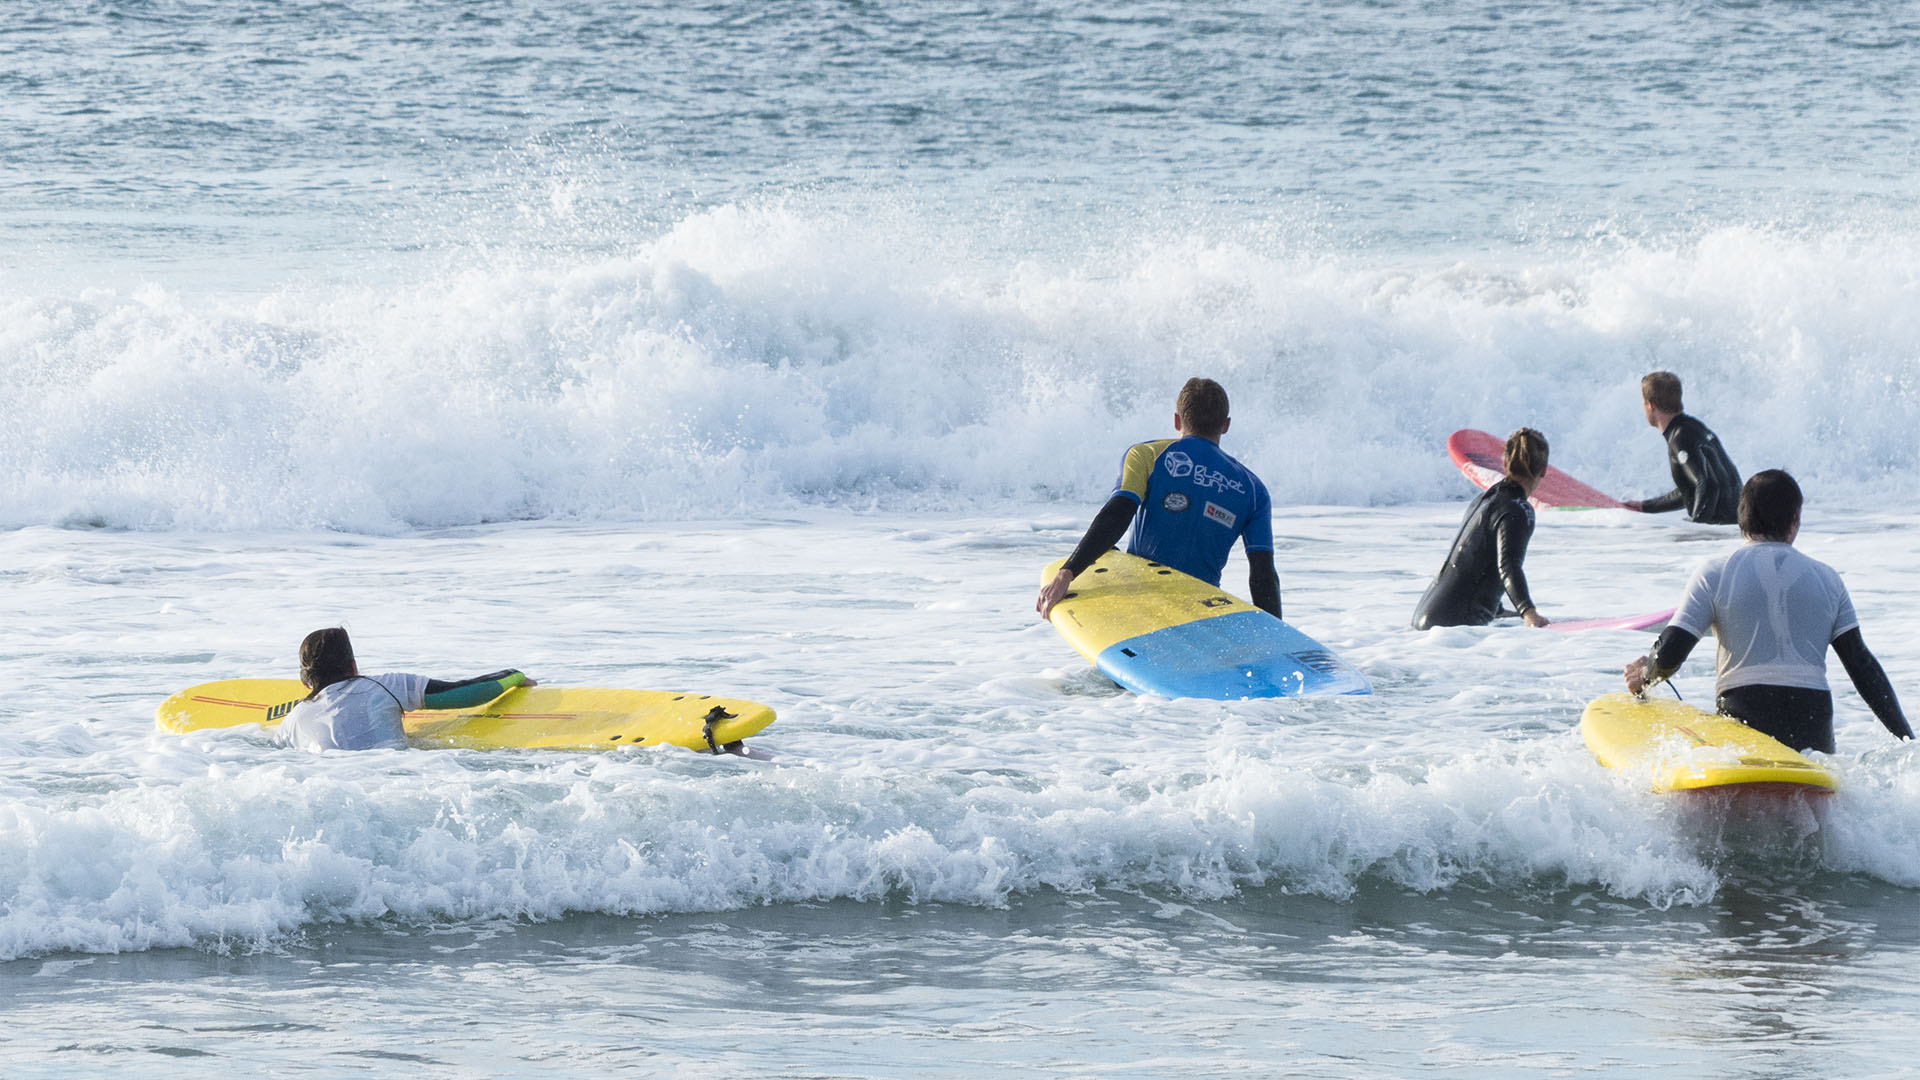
<point x="1188" y="501"/>
<point x="350" y="711"/>
<point x="1774" y="612"/>
<point x="1705" y="483"/>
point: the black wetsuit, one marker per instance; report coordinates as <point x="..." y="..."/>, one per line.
<point x="1485" y="562"/>
<point x="1705" y="483"/>
<point x="1799" y="716"/>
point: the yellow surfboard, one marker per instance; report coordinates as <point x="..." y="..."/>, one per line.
<point x="1155" y="630"/>
<point x="1681" y="748"/>
<point x="538" y="717"/>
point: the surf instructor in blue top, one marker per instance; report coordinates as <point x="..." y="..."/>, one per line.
<point x="1188" y="501"/>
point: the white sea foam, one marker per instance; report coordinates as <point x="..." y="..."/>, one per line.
<point x="247" y="856"/>
<point x="776" y="356"/>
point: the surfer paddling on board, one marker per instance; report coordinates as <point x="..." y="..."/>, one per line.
<point x="1705" y="483"/>
<point x="1773" y="612"/>
<point x="350" y="711"/>
<point x="1491" y="545"/>
<point x="1188" y="501"/>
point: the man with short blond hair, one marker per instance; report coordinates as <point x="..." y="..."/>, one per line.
<point x="1705" y="483"/>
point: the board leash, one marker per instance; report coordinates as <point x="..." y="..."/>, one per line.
<point x="1648" y="686"/>
<point x="714" y="715"/>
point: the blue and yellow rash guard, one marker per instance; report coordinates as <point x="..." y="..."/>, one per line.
<point x="1195" y="500"/>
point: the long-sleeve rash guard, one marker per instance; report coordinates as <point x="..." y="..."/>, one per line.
<point x="1484" y="562"/>
<point x="1705" y="483"/>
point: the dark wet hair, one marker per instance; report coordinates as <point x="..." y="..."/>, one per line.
<point x="1526" y="456"/>
<point x="1662" y="388"/>
<point x="326" y="657"/>
<point x="1769" y="505"/>
<point x="1202" y="406"/>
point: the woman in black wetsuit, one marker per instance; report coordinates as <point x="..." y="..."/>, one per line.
<point x="1486" y="556"/>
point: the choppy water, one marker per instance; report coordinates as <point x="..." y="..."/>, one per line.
<point x="770" y="349"/>
<point x="961" y="831"/>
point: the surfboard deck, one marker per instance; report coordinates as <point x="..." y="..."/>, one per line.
<point x="1155" y="630"/>
<point x="538" y="717"/>
<point x="1681" y="748"/>
<point x="1482" y="458"/>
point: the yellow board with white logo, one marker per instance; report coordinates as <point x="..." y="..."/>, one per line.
<point x="537" y="717"/>
<point x="1680" y="748"/>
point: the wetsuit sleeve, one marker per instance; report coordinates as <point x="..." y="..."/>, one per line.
<point x="1263" y="581"/>
<point x="1686" y="480"/>
<point x="1511" y="531"/>
<point x="470" y="692"/>
<point x="1109" y="525"/>
<point x="1871" y="680"/>
<point x="1669" y="652"/>
<point x="1660" y="504"/>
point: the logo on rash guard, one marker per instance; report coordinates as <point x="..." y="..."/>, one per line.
<point x="1175" y="502"/>
<point x="1219" y="515"/>
<point x="1180" y="465"/>
<point x="1205" y="477"/>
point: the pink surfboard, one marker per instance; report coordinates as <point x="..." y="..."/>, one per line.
<point x="1653" y="620"/>
<point x="1481" y="455"/>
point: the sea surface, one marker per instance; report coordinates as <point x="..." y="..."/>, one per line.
<point x="770" y="349"/>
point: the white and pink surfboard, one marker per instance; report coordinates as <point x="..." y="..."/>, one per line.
<point x="1480" y="457"/>
<point x="1653" y="620"/>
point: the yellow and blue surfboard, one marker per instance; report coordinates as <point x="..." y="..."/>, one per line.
<point x="1155" y="630"/>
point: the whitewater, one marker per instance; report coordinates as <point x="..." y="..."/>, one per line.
<point x="770" y="351"/>
<point x="771" y="357"/>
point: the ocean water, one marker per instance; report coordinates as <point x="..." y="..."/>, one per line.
<point x="770" y="350"/>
